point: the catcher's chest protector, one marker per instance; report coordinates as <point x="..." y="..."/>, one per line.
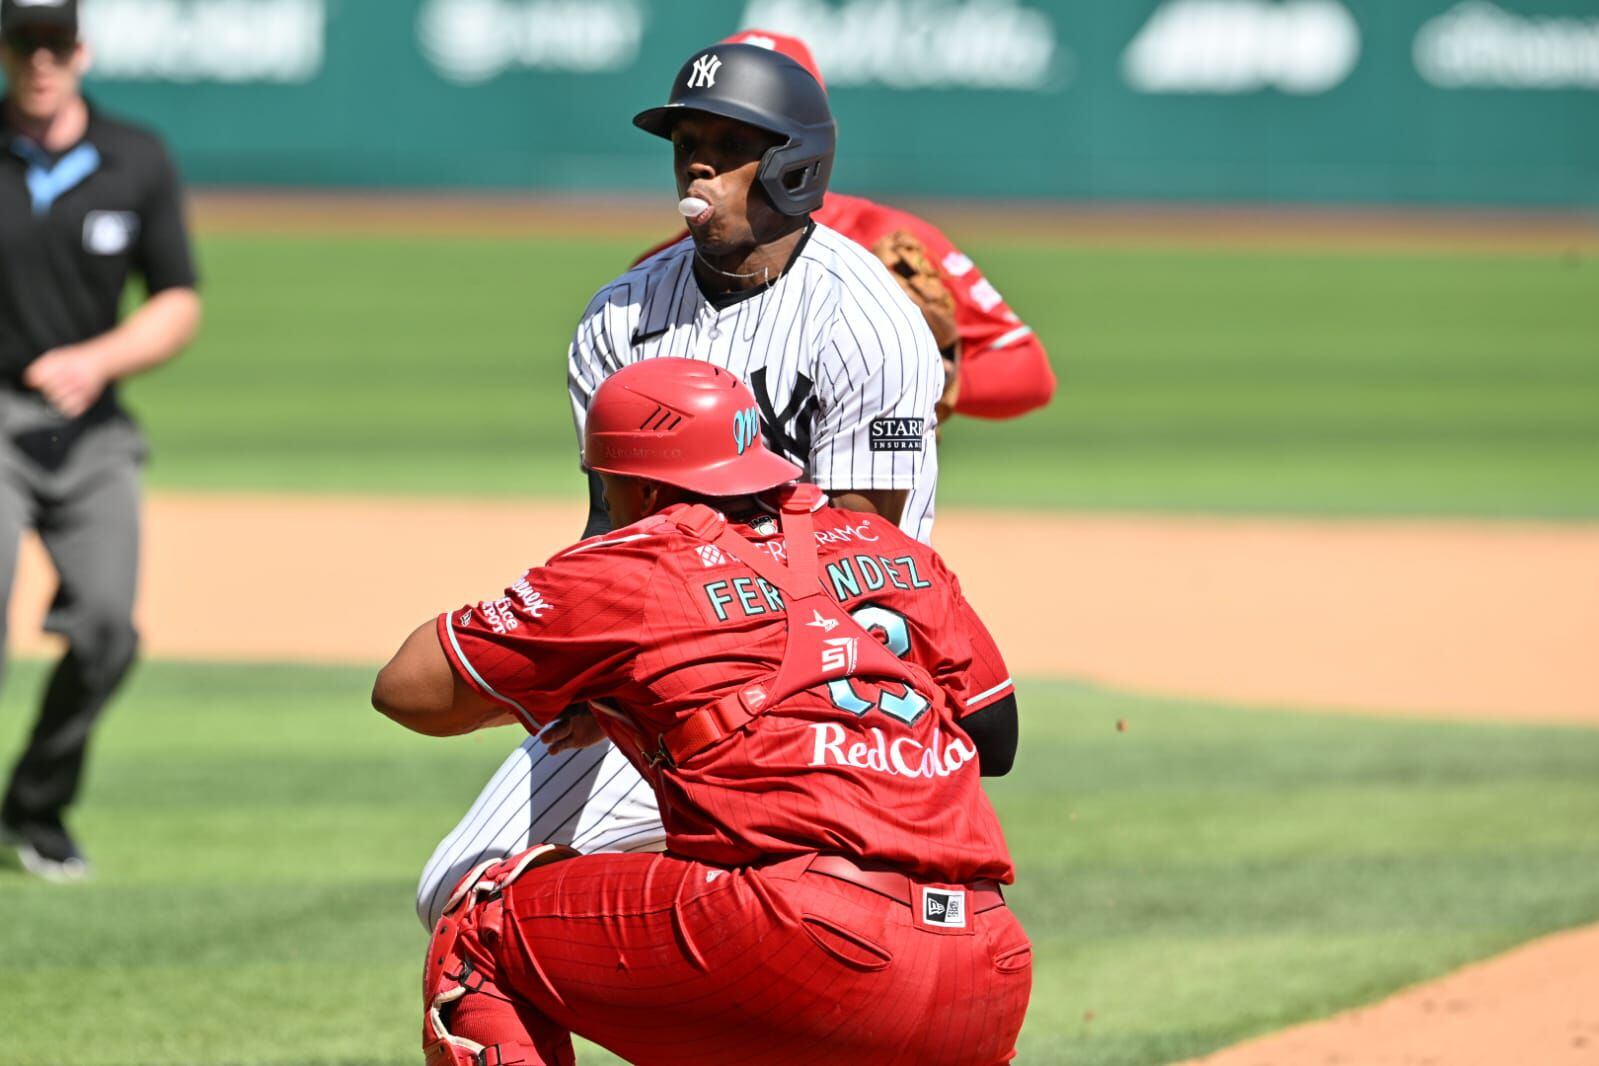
<point x="824" y="644"/>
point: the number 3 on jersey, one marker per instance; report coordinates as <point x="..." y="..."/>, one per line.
<point x="907" y="706"/>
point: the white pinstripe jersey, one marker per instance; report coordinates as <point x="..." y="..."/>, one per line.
<point x="840" y="360"/>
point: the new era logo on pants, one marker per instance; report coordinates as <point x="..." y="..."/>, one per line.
<point x="944" y="907"/>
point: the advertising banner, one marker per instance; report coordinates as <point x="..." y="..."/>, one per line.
<point x="1434" y="101"/>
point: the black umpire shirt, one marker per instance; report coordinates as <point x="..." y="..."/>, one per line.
<point x="73" y="225"/>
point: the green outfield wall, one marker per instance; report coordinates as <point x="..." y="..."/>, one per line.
<point x="1440" y="101"/>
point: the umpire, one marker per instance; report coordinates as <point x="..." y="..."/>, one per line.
<point x="84" y="201"/>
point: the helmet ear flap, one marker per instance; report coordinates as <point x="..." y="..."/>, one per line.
<point x="794" y="176"/>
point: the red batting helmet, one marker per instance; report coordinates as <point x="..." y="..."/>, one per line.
<point x="685" y="423"/>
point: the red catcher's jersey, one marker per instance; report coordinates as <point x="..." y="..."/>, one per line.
<point x="1004" y="371"/>
<point x="656" y="625"/>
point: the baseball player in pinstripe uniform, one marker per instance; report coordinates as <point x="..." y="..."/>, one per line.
<point x="845" y="372"/>
<point x="996" y="366"/>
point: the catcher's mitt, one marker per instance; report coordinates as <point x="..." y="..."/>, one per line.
<point x="903" y="254"/>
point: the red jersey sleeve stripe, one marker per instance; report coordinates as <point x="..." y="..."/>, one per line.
<point x="987" y="696"/>
<point x="464" y="667"/>
<point x="1010" y="338"/>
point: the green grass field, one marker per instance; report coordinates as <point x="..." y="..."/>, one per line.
<point x="1209" y="873"/>
<point x="1191" y="380"/>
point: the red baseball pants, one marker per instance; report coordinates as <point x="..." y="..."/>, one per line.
<point x="671" y="962"/>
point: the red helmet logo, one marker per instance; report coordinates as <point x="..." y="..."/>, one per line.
<point x="746" y="427"/>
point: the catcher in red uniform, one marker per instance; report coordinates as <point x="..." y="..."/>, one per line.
<point x="811" y="698"/>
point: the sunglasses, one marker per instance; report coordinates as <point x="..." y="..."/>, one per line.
<point x="27" y="42"/>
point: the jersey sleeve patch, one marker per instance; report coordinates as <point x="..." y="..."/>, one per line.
<point x="897" y="434"/>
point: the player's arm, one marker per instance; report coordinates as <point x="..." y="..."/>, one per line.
<point x="561" y="634"/>
<point x="954" y="645"/>
<point x="420" y="690"/>
<point x="998" y="366"/>
<point x="1003" y="370"/>
<point x="994" y="733"/>
<point x="1004" y="381"/>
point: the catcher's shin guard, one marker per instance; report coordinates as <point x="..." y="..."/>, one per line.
<point x="448" y="974"/>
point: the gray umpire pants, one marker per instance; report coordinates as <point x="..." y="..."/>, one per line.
<point x="77" y="485"/>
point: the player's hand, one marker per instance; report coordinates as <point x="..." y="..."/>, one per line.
<point x="575" y="728"/>
<point x="71" y="379"/>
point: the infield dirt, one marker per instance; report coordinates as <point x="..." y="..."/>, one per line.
<point x="1450" y="619"/>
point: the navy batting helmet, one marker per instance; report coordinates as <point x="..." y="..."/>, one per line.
<point x="770" y="91"/>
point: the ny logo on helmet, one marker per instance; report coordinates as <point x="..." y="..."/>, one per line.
<point x="703" y="76"/>
<point x="746" y="427"/>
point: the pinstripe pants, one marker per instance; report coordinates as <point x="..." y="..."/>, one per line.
<point x="590" y="799"/>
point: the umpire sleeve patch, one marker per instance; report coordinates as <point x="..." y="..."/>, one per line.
<point x="897" y="434"/>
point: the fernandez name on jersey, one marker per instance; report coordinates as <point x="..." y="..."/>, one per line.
<point x="841" y="361"/>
